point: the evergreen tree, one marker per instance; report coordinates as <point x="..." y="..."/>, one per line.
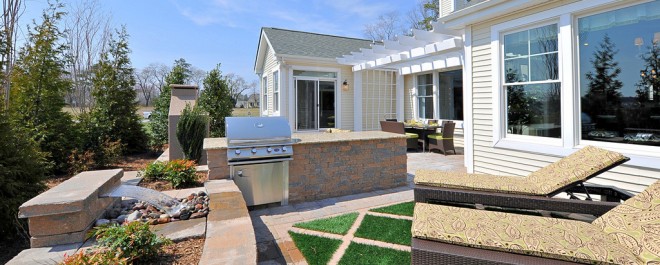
<point x="22" y="171"/>
<point x="158" y="128"/>
<point x="431" y="14"/>
<point x="39" y="86"/>
<point x="649" y="76"/>
<point x="603" y="95"/>
<point x="216" y="100"/>
<point x="191" y="131"/>
<point x="116" y="104"/>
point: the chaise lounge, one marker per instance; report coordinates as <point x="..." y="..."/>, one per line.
<point x="534" y="191"/>
<point x="628" y="234"/>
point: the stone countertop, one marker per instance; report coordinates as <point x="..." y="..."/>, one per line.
<point x="313" y="138"/>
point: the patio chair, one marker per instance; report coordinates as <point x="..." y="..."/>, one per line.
<point x="443" y="141"/>
<point x="628" y="234"/>
<point x="534" y="191"/>
<point x="398" y="127"/>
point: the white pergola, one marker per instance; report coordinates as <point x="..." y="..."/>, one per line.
<point x="424" y="51"/>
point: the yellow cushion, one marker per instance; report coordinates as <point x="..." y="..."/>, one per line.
<point x="412" y="135"/>
<point x="636" y="224"/>
<point x="553" y="238"/>
<point x="579" y="166"/>
<point x="438" y="136"/>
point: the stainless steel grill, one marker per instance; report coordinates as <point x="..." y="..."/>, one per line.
<point x="258" y="153"/>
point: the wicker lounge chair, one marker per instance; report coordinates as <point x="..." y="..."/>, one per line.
<point x="398" y="127"/>
<point x="628" y="234"/>
<point x="443" y="141"/>
<point x="532" y="192"/>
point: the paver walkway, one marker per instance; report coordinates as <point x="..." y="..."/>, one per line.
<point x="275" y="246"/>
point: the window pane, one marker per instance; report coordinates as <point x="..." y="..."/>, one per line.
<point x="516" y="44"/>
<point x="425" y="79"/>
<point x="543" y="39"/>
<point x="534" y="110"/>
<point x="544" y="67"/>
<point x="314" y="74"/>
<point x="450" y="100"/>
<point x="619" y="52"/>
<point x="425" y="107"/>
<point x="517" y="70"/>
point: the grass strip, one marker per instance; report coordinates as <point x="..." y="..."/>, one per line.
<point x="316" y="250"/>
<point x="405" y="209"/>
<point x="396" y="231"/>
<point x="357" y="253"/>
<point x="335" y="225"/>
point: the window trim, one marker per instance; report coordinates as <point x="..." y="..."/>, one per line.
<point x="566" y="16"/>
<point x="432" y="96"/>
<point x="264" y="95"/>
<point x="276" y="91"/>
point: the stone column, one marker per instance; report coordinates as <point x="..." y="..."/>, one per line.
<point x="181" y="96"/>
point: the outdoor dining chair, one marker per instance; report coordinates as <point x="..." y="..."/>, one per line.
<point x="535" y="191"/>
<point x="627" y="234"/>
<point x="443" y="141"/>
<point x="398" y="127"/>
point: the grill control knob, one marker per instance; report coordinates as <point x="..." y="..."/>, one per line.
<point x="238" y="152"/>
<point x="269" y="149"/>
<point x="283" y="148"/>
<point x="254" y="150"/>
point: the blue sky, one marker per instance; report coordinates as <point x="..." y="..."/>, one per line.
<point x="207" y="32"/>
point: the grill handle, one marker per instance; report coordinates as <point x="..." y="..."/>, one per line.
<point x="259" y="161"/>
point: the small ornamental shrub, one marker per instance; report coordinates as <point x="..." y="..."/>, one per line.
<point x="191" y="131"/>
<point x="178" y="172"/>
<point x="134" y="240"/>
<point x="96" y="257"/>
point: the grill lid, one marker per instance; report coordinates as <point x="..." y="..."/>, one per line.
<point x="255" y="131"/>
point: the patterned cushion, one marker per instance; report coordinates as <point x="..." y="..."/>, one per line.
<point x="579" y="166"/>
<point x="636" y="224"/>
<point x="522" y="234"/>
<point x="480" y="182"/>
<point x="412" y="135"/>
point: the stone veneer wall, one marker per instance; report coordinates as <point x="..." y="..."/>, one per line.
<point x="325" y="169"/>
<point x="332" y="169"/>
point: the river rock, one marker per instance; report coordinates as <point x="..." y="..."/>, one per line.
<point x="163" y="220"/>
<point x="198" y="215"/>
<point x="199" y="206"/>
<point x="134" y="216"/>
<point x="154" y="215"/>
<point x="191" y="196"/>
<point x="153" y="221"/>
<point x="165" y="215"/>
<point x="121" y="218"/>
<point x="139" y="206"/>
<point x="184" y="214"/>
<point x="201" y="193"/>
<point x="152" y="209"/>
<point x="101" y="222"/>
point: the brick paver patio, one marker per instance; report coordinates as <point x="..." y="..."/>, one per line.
<point x="274" y="245"/>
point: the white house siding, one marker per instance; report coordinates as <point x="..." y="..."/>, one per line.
<point x="269" y="65"/>
<point x="500" y="161"/>
<point x="346" y="73"/>
<point x="446" y="7"/>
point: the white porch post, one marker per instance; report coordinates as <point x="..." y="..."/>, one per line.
<point x="468" y="114"/>
<point x="291" y="85"/>
<point x="357" y="100"/>
<point x="400" y="97"/>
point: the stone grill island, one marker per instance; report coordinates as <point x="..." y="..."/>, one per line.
<point x="328" y="165"/>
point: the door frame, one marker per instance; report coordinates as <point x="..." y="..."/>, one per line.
<point x="293" y="96"/>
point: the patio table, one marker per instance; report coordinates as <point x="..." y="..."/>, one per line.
<point x="423" y="131"/>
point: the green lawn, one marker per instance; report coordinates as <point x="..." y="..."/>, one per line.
<point x="317" y="250"/>
<point x="336" y="225"/>
<point x="385" y="229"/>
<point x="406" y="209"/>
<point x="367" y="254"/>
<point x="240" y="112"/>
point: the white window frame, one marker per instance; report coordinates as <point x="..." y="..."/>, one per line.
<point x="432" y="96"/>
<point x="264" y="95"/>
<point x="338" y="92"/>
<point x="276" y="92"/>
<point x="566" y="18"/>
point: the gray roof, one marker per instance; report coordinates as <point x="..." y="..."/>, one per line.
<point x="291" y="42"/>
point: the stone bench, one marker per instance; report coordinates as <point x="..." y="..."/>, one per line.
<point x="65" y="213"/>
<point x="230" y="236"/>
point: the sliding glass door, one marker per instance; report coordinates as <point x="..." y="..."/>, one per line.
<point x="315" y="104"/>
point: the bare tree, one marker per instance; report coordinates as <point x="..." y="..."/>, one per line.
<point x="386" y="28"/>
<point x="145" y="84"/>
<point x="157" y="73"/>
<point x="88" y="31"/>
<point x="197" y="77"/>
<point x="11" y="12"/>
<point x="238" y="85"/>
<point x="424" y="13"/>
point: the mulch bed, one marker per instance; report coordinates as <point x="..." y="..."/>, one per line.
<point x="184" y="252"/>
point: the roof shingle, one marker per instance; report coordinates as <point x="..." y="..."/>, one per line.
<point x="291" y="42"/>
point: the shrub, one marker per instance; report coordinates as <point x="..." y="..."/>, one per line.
<point x="81" y="161"/>
<point x="96" y="257"/>
<point x="217" y="101"/>
<point x="191" y="131"/>
<point x="134" y="240"/>
<point x="178" y="172"/>
<point x="22" y="171"/>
